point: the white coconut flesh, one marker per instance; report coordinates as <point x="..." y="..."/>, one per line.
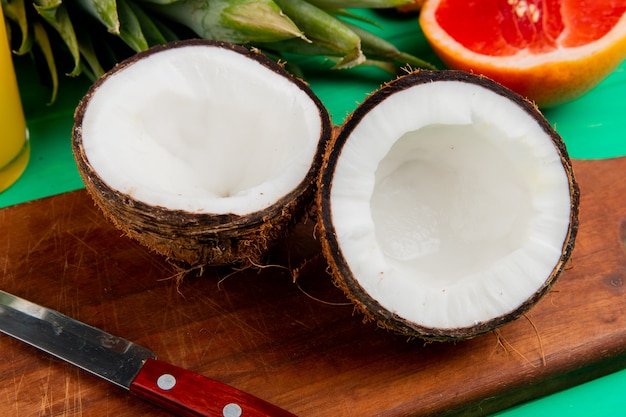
<point x="201" y="129"/>
<point x="450" y="204"/>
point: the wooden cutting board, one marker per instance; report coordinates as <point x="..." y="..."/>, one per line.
<point x="299" y="345"/>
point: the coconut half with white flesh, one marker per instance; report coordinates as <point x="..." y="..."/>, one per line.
<point x="204" y="151"/>
<point x="448" y="205"/>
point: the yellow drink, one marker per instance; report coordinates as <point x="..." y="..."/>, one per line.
<point x="14" y="145"/>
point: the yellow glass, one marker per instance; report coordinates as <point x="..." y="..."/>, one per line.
<point x="14" y="144"/>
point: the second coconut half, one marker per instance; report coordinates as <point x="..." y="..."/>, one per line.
<point x="448" y="205"/>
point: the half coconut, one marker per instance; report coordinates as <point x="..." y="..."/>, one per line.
<point x="448" y="205"/>
<point x="204" y="151"/>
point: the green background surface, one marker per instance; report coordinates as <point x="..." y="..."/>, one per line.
<point x="593" y="127"/>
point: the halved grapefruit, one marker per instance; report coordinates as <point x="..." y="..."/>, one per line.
<point x="550" y="51"/>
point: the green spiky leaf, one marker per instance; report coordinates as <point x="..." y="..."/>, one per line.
<point x="325" y="31"/>
<point x="42" y="40"/>
<point x="103" y="10"/>
<point x="15" y="11"/>
<point x="55" y="13"/>
<point x="237" y="21"/>
<point x="130" y="27"/>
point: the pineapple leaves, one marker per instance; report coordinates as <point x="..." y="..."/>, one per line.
<point x="55" y="14"/>
<point x="130" y="27"/>
<point x="43" y="41"/>
<point x="149" y="28"/>
<point x="236" y="21"/>
<point x="326" y="32"/>
<point x="255" y="18"/>
<point x="103" y="10"/>
<point x="16" y="11"/>
<point x="96" y="34"/>
<point x="376" y="48"/>
<point x="90" y="65"/>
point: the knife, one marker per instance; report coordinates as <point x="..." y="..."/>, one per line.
<point x="127" y="364"/>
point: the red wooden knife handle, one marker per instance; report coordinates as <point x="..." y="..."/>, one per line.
<point x="192" y="395"/>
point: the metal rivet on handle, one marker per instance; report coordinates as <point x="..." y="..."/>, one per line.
<point x="232" y="410"/>
<point x="166" y="382"/>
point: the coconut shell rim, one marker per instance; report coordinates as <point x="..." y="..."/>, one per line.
<point x="214" y="221"/>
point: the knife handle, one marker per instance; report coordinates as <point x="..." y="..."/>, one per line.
<point x="188" y="394"/>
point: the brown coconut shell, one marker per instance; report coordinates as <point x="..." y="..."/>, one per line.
<point x="195" y="239"/>
<point x="341" y="272"/>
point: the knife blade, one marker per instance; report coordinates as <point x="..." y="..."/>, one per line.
<point x="126" y="364"/>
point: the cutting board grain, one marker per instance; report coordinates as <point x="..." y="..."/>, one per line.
<point x="299" y="345"/>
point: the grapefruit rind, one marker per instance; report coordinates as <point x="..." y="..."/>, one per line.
<point x="548" y="79"/>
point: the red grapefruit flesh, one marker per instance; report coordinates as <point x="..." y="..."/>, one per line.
<point x="550" y="51"/>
